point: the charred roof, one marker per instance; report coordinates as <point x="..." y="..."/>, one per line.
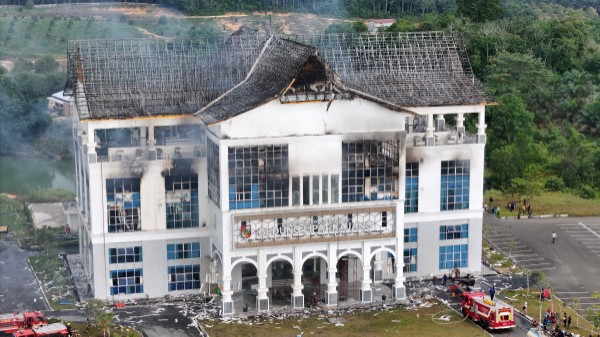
<point x="220" y="77"/>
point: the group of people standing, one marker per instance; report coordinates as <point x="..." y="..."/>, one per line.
<point x="511" y="206"/>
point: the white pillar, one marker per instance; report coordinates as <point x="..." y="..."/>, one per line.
<point x="481" y="127"/>
<point x="332" y="295"/>
<point x="429" y="136"/>
<point x="151" y="142"/>
<point x="227" y="293"/>
<point x="403" y="122"/>
<point x="366" y="293"/>
<point x="399" y="289"/>
<point x="92" y="156"/>
<point x="297" y="296"/>
<point x="378" y="269"/>
<point x="262" y="300"/>
<point x="440" y="123"/>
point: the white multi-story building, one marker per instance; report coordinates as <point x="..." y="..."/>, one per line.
<point x="324" y="164"/>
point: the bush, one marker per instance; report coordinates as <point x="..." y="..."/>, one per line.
<point x="586" y="192"/>
<point x="162" y="20"/>
<point x="554" y="184"/>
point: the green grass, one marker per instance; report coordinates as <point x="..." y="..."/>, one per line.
<point x="380" y="323"/>
<point x="517" y="297"/>
<point x="14" y="216"/>
<point x="547" y="203"/>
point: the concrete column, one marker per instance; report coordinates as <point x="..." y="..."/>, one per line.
<point x="227" y="296"/>
<point x="378" y="269"/>
<point x="366" y="293"/>
<point x="411" y="121"/>
<point x="297" y="296"/>
<point x="151" y="142"/>
<point x="332" y="294"/>
<point x="429" y="136"/>
<point x="440" y="123"/>
<point x="262" y="300"/>
<point x="402" y="122"/>
<point x="460" y="127"/>
<point x="143" y="137"/>
<point x="399" y="289"/>
<point x="481" y="127"/>
<point x="92" y="156"/>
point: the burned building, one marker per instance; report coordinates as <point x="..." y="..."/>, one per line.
<point x="284" y="165"/>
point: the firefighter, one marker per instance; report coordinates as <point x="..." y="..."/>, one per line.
<point x="69" y="329"/>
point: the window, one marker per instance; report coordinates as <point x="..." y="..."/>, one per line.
<point x="306" y="190"/>
<point x="123" y="205"/>
<point x="411" y="204"/>
<point x="455" y="185"/>
<point x="325" y="189"/>
<point x="258" y="176"/>
<point x="383" y="219"/>
<point x="315" y="188"/>
<point x="454" y="256"/>
<point x="410" y="260"/>
<point x="454" y="232"/>
<point x="126" y="281"/>
<point x="125" y="254"/>
<point x="184" y="277"/>
<point x="295" y="191"/>
<point x="410" y="234"/>
<point x="212" y="160"/>
<point x="183" y="250"/>
<point x="370" y="170"/>
<point x="181" y="195"/>
<point x="335" y="188"/>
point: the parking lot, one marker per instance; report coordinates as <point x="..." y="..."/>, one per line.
<point x="572" y="263"/>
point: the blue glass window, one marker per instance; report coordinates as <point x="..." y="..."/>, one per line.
<point x="410" y="260"/>
<point x="454" y="232"/>
<point x="125" y="254"/>
<point x="410" y="234"/>
<point x="183" y="250"/>
<point x="411" y="204"/>
<point x="454" y="256"/>
<point x="126" y="281"/>
<point x="455" y="185"/>
<point x="181" y="195"/>
<point x="184" y="277"/>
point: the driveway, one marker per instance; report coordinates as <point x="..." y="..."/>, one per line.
<point x="572" y="263"/>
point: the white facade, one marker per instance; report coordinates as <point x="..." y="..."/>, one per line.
<point x="290" y="254"/>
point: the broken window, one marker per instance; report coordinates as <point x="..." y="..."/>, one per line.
<point x="451" y="232"/>
<point x="178" y="134"/>
<point x="410" y="260"/>
<point x="181" y="194"/>
<point x="121" y="137"/>
<point x="126" y="281"/>
<point x="123" y="204"/>
<point x="370" y="170"/>
<point x="212" y="159"/>
<point x="184" y="277"/>
<point x="411" y="202"/>
<point x="258" y="176"/>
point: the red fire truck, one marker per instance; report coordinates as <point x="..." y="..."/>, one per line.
<point x="10" y="323"/>
<point x="487" y="313"/>
<point x="50" y="330"/>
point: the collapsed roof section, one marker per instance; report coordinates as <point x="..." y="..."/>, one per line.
<point x="219" y="78"/>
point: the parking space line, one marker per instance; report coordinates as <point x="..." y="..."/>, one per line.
<point x="589" y="229"/>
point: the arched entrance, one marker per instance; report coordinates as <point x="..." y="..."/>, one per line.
<point x="244" y="277"/>
<point x="383" y="273"/>
<point x="314" y="279"/>
<point x="280" y="278"/>
<point x="349" y="277"/>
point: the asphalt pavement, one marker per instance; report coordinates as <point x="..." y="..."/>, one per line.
<point x="18" y="287"/>
<point x="572" y="263"/>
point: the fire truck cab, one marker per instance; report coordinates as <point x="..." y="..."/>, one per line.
<point x="50" y="330"/>
<point x="487" y="313"/>
<point x="12" y="322"/>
